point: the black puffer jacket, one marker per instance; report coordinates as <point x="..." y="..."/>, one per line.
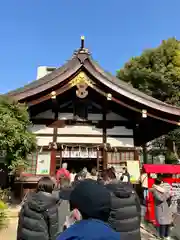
<point x="125" y="216"/>
<point x="38" y="218"/>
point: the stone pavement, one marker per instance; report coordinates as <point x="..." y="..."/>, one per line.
<point x="9" y="233"/>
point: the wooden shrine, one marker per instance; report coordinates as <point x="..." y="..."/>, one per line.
<point x="87" y="117"/>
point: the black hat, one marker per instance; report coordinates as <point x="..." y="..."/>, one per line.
<point x="91" y="199"/>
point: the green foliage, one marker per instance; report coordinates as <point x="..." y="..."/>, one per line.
<point x="3" y="214"/>
<point x="157" y="73"/>
<point x="3" y="209"/>
<point x="15" y="138"/>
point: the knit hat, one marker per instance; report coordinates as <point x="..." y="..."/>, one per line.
<point x="91" y="199"/>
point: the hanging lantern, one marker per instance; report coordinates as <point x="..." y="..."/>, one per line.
<point x="54" y="145"/>
<point x="144" y="113"/>
<point x="109" y="96"/>
<point x="53" y="95"/>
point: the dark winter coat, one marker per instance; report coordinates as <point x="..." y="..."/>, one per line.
<point x="38" y="218"/>
<point x="125" y="216"/>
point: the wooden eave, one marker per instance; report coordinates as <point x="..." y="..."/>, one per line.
<point x="82" y="59"/>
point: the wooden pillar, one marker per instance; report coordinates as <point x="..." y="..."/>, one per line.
<point x="145" y="157"/>
<point x="136" y="154"/>
<point x="104" y="135"/>
<point x="53" y="162"/>
<point x="61" y="157"/>
<point x="53" y="150"/>
<point x="97" y="160"/>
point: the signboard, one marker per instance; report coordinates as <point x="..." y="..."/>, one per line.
<point x="175" y="196"/>
<point x="134" y="170"/>
<point x="78" y="153"/>
<point x="43" y="163"/>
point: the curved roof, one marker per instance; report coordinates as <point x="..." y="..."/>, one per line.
<point x="82" y="58"/>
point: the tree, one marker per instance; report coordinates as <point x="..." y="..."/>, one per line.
<point x="157" y="73"/>
<point x="16" y="141"/>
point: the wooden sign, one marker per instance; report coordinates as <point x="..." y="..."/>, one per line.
<point x="78" y="153"/>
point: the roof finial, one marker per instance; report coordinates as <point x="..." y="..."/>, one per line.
<point x="82" y="42"/>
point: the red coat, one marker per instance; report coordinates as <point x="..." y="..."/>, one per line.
<point x="64" y="172"/>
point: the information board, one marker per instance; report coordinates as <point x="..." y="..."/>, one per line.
<point x="134" y="170"/>
<point x="43" y="163"/>
<point x="175" y="195"/>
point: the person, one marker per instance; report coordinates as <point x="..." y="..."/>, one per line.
<point x="93" y="174"/>
<point x="125" y="216"/>
<point x="62" y="194"/>
<point x="125" y="176"/>
<point x="85" y="172"/>
<point x="39" y="214"/>
<point x="162" y="198"/>
<point x="144" y="184"/>
<point x="79" y="177"/>
<point x="93" y="202"/>
<point x="72" y="175"/>
<point x="63" y="171"/>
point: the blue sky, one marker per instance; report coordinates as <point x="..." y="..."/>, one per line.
<point x="44" y="32"/>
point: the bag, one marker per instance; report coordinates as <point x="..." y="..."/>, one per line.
<point x="74" y="217"/>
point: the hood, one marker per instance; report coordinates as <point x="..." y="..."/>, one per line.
<point x="120" y="189"/>
<point x="41" y="201"/>
<point x="82" y="230"/>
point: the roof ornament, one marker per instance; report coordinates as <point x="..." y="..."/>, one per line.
<point x="82" y="42"/>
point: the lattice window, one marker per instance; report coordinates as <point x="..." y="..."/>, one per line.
<point x="32" y="163"/>
<point x="117" y="157"/>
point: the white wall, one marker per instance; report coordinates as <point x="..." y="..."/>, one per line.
<point x="115" y="142"/>
<point x="43" y="141"/>
<point x="41" y="129"/>
<point x="47" y="115"/>
<point x="120" y="142"/>
<point x="86" y="130"/>
<point x="80" y="140"/>
<point x="80" y="130"/>
<point x="65" y="116"/>
<point x="120" y="130"/>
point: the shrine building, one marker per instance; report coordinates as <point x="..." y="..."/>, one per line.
<point x="85" y="116"/>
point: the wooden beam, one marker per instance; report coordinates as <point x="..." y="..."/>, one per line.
<point x="98" y="123"/>
<point x="83" y="135"/>
<point x="53" y="151"/>
<point x="104" y="135"/>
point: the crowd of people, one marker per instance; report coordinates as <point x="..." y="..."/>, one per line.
<point x="81" y="206"/>
<point x="91" y="206"/>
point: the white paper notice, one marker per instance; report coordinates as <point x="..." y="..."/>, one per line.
<point x="43" y="163"/>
